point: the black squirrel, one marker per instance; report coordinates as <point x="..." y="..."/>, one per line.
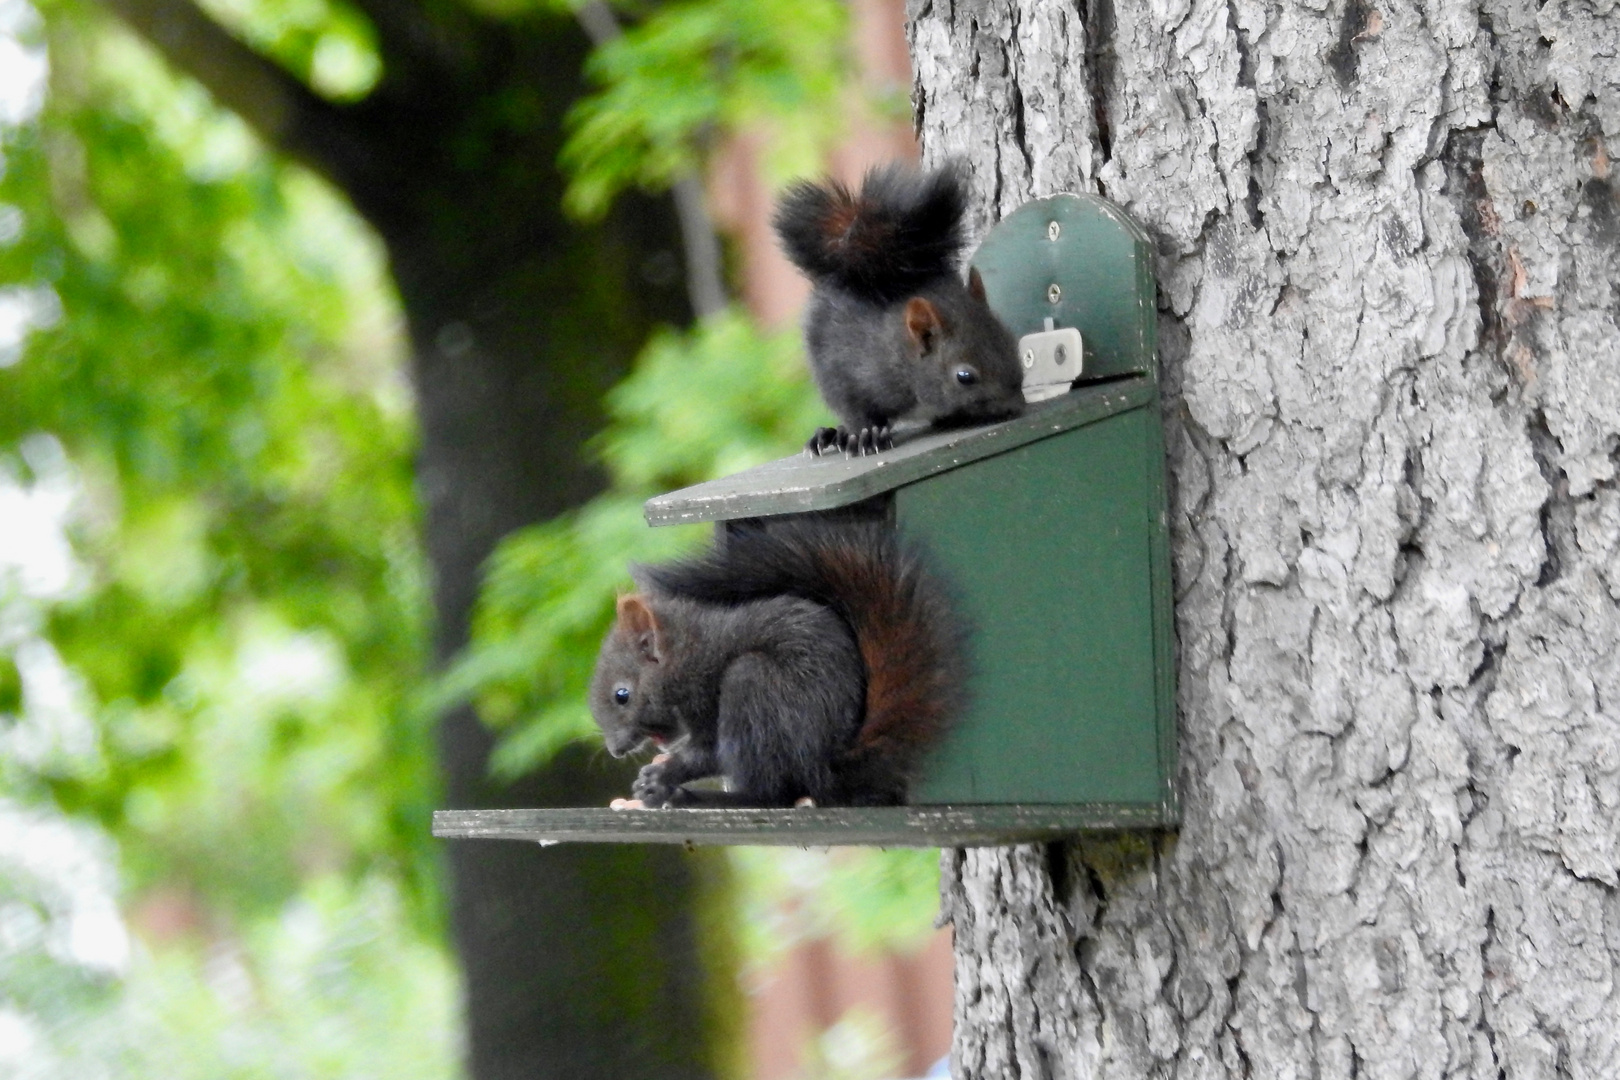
<point x="801" y="659"/>
<point x="891" y="331"/>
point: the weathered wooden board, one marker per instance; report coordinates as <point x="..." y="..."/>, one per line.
<point x="886" y="826"/>
<point x="800" y="483"/>
<point x="1051" y="554"/>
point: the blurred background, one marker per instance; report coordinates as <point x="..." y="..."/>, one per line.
<point x="339" y="345"/>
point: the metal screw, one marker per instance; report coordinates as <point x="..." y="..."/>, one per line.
<point x="1060" y="354"/>
<point x="1052" y="230"/>
<point x="1053" y="293"/>
<point x="1029" y="358"/>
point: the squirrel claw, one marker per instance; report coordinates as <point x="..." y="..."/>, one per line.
<point x="825" y="440"/>
<point x="870" y="440"/>
<point x="651" y="788"/>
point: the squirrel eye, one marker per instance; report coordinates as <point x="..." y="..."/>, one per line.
<point x="622" y="695"/>
<point x="966" y="376"/>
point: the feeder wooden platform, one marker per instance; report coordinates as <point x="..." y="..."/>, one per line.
<point x="881" y="826"/>
<point x="1052" y="530"/>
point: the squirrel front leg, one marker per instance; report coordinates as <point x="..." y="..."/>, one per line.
<point x="870" y="440"/>
<point x="826" y="440"/>
<point x="659" y="782"/>
<point x="840" y="440"/>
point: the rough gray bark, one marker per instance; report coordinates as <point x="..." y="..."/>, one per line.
<point x="1389" y="246"/>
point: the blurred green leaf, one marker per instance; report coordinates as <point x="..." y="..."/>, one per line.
<point x="252" y="623"/>
<point x="328" y="44"/>
<point x="695" y="70"/>
<point x="708" y="402"/>
<point x="10" y="687"/>
<point x="211" y="364"/>
<point x="866" y="900"/>
<point x="881" y="900"/>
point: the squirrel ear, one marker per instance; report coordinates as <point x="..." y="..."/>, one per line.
<point x="923" y="323"/>
<point x="639" y="624"/>
<point x="976" y="285"/>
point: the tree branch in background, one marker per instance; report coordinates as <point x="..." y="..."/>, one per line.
<point x="285" y="112"/>
<point x="598" y="21"/>
<point x="702" y="249"/>
<point x="698" y="241"/>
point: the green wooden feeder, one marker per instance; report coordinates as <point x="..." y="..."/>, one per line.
<point x="1052" y="527"/>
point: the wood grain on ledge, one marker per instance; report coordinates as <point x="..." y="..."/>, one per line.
<point x="800" y="483"/>
<point x="883" y="826"/>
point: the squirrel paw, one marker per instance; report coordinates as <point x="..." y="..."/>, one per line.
<point x="869" y="440"/>
<point x="651" y="788"/>
<point x="826" y="440"/>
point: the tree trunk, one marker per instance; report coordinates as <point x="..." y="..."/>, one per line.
<point x="1389" y="246"/>
<point x="579" y="961"/>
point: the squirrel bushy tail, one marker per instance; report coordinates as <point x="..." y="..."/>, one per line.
<point x="903" y="230"/>
<point x="911" y="640"/>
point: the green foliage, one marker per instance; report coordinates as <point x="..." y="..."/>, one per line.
<point x="698" y="69"/>
<point x="877" y="900"/>
<point x="245" y="465"/>
<point x="10" y="687"/>
<point x="334" y="985"/>
<point x="328" y="44"/>
<point x="699" y="404"/>
<point x="720" y="398"/>
<point x="865" y="900"/>
<point x="223" y="686"/>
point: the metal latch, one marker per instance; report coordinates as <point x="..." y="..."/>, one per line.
<point x="1052" y="360"/>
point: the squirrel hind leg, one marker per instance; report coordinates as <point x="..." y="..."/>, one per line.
<point x="872" y="778"/>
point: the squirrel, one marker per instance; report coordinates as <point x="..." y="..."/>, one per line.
<point x="891" y="331"/>
<point x="803" y="659"/>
